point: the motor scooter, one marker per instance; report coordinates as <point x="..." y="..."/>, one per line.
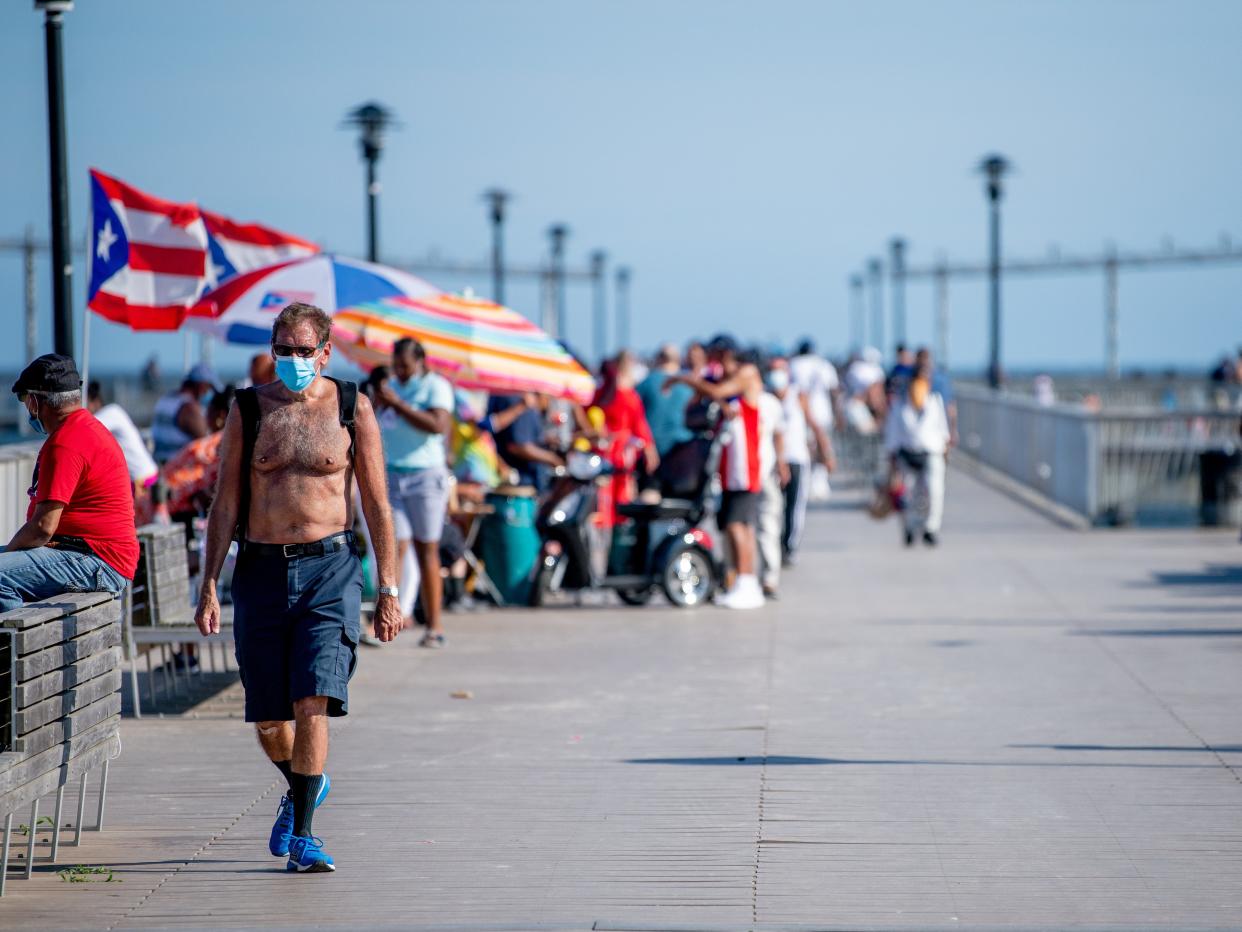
<point x="653" y="545"/>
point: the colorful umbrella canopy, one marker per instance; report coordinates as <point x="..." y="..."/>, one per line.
<point x="476" y="344"/>
<point x="242" y="309"/>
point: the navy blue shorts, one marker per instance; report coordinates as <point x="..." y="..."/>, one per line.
<point x="295" y="628"/>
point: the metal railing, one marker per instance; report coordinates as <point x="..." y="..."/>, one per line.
<point x="17" y="462"/>
<point x="1112" y="467"/>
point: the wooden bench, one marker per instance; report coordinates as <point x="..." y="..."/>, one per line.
<point x="60" y="710"/>
<point x="158" y="616"/>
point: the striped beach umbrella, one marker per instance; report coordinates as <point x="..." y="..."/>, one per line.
<point x="477" y="344"/>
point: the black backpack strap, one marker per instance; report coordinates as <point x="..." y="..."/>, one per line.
<point x="247" y="401"/>
<point x="347" y="408"/>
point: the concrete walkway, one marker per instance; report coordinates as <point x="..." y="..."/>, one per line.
<point x="1026" y="728"/>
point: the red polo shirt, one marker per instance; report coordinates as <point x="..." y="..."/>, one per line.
<point x="82" y="466"/>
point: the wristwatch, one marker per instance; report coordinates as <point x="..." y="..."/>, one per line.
<point x="389" y="590"/>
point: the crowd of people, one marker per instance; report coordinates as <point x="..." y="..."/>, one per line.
<point x="446" y="449"/>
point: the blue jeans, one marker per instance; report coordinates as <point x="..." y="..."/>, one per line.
<point x="31" y="575"/>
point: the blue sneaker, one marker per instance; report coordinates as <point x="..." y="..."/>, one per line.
<point x="306" y="856"/>
<point x="282" y="830"/>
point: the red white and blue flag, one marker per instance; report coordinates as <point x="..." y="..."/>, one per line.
<point x="242" y="247"/>
<point x="148" y="256"/>
<point x="151" y="259"/>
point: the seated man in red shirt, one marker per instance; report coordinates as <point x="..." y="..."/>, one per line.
<point x="79" y="531"/>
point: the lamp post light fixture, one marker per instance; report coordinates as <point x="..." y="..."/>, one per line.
<point x="994" y="168"/>
<point x="557" y="234"/>
<point x="897" y="273"/>
<point x="599" y="261"/>
<point x="371" y="119"/>
<point x="497" y="199"/>
<point x="62" y="261"/>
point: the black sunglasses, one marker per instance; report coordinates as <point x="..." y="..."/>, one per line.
<point x="302" y="352"/>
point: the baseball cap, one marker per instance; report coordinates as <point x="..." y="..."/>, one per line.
<point x="51" y="372"/>
<point x="204" y="375"/>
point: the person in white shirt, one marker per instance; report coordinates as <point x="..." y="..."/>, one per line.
<point x="916" y="436"/>
<point x="815" y="378"/>
<point x="774" y="475"/>
<point x="800" y="429"/>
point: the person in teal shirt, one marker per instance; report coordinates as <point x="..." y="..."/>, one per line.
<point x="666" y="410"/>
<point x="417" y="417"/>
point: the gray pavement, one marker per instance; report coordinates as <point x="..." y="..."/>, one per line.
<point x="1027" y="728"/>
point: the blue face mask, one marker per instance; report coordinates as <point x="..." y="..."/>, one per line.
<point x="296" y="373"/>
<point x="35" y="424"/>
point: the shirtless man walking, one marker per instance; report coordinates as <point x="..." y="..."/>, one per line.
<point x="288" y="461"/>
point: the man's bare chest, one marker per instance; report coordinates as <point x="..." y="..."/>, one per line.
<point x="302" y="439"/>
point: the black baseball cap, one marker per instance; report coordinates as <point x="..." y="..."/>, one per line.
<point x="51" y="372"/>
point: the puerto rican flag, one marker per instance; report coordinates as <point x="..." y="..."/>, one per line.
<point x="235" y="247"/>
<point x="148" y="256"/>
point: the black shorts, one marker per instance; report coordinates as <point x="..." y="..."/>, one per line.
<point x="295" y="628"/>
<point x="738" y="508"/>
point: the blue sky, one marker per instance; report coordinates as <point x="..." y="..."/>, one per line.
<point x="742" y="158"/>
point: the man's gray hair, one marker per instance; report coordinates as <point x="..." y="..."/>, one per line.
<point x="60" y="400"/>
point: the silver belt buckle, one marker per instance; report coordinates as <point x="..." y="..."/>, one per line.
<point x="285" y="550"/>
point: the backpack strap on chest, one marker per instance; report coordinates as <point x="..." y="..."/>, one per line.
<point x="347" y="409"/>
<point x="247" y="401"/>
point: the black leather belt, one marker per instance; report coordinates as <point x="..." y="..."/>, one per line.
<point x="316" y="548"/>
<point x="72" y="544"/>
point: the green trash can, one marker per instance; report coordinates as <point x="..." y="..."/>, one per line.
<point x="509" y="544"/>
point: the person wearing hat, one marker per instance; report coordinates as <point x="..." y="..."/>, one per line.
<point x="79" y="532"/>
<point x="179" y="416"/>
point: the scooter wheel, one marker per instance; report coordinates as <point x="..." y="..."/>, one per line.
<point x="635" y="596"/>
<point x="689" y="577"/>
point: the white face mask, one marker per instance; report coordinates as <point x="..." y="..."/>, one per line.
<point x="778" y="380"/>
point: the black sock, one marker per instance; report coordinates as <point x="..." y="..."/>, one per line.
<point x="303" y="790"/>
<point x="285" y="767"/>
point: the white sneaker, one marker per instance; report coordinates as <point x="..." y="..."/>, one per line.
<point x="745" y="594"/>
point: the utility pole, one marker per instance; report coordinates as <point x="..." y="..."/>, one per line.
<point x="942" y="314"/>
<point x="557" y="233"/>
<point x="599" y="261"/>
<point x="1112" y="325"/>
<point x="496" y="199"/>
<point x="897" y="261"/>
<point x="371" y="119"/>
<point x="858" y="313"/>
<point x="623" y="306"/>
<point x="994" y="168"/>
<point x="875" y="271"/>
<point x="62" y="260"/>
<point x="32" y="311"/>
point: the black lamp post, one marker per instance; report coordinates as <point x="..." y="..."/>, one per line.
<point x="897" y="271"/>
<point x="994" y="168"/>
<point x="557" y="234"/>
<point x="496" y="199"/>
<point x="623" y="275"/>
<point x="875" y="272"/>
<point x="372" y="119"/>
<point x="62" y="262"/>
<point x="858" y="313"/>
<point x="599" y="260"/>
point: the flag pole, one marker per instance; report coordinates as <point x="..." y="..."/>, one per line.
<point x="86" y="352"/>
